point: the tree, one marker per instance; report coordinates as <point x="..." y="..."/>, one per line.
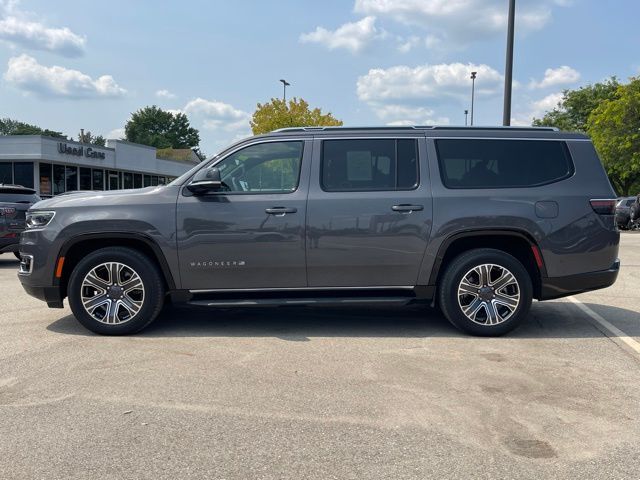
<point x="88" y="137"/>
<point x="614" y="126"/>
<point x="9" y="126"/>
<point x="277" y="114"/>
<point x="161" y="129"/>
<point x="575" y="107"/>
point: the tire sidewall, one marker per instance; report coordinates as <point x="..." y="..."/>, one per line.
<point x="151" y="280"/>
<point x="459" y="267"/>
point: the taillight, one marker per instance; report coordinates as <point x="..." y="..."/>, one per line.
<point x="604" y="206"/>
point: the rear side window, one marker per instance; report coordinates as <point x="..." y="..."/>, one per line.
<point x="480" y="163"/>
<point x="369" y="165"/>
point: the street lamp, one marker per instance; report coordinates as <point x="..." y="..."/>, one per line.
<point x="466" y="112"/>
<point x="285" y="84"/>
<point x="508" y="69"/>
<point x="473" y="92"/>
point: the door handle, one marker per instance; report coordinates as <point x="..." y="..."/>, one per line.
<point x="280" y="211"/>
<point x="406" y="208"/>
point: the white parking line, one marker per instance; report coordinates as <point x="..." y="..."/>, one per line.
<point x="607" y="328"/>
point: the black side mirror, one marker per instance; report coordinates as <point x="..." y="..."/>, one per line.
<point x="207" y="180"/>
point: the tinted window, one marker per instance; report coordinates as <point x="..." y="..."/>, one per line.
<point x="502" y="163"/>
<point x="127" y="179"/>
<point x="58" y="179"/>
<point x="85" y="179"/>
<point x="137" y="180"/>
<point x="10" y="195"/>
<point x="362" y="165"/>
<point x="98" y="180"/>
<point x="23" y="174"/>
<point x="6" y="175"/>
<point x="72" y="178"/>
<point x="272" y="167"/>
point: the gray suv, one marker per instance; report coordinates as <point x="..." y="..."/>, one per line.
<point x="476" y="220"/>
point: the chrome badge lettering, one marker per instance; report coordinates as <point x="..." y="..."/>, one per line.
<point x="217" y="264"/>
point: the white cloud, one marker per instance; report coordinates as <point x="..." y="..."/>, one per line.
<point x="460" y="21"/>
<point x="216" y="115"/>
<point x="435" y="82"/>
<point x="116" y="134"/>
<point x="353" y="36"/>
<point x="18" y="30"/>
<point x="164" y="93"/>
<point x="537" y="109"/>
<point x="27" y="74"/>
<point x="557" y="76"/>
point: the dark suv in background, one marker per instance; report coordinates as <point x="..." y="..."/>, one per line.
<point x="15" y="200"/>
<point x="478" y="220"/>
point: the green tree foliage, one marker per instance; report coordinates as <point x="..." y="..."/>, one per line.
<point x="161" y="129"/>
<point x="278" y="114"/>
<point x="88" y="137"/>
<point x="614" y="126"/>
<point x="574" y="109"/>
<point x="9" y="126"/>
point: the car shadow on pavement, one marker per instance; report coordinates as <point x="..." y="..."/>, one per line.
<point x="300" y="324"/>
<point x="9" y="263"/>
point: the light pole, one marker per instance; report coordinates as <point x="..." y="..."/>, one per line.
<point x="508" y="69"/>
<point x="473" y="92"/>
<point x="466" y="112"/>
<point x="285" y="84"/>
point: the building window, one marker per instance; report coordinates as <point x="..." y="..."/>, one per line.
<point x="85" y="179"/>
<point x="113" y="180"/>
<point x="6" y="173"/>
<point x="127" y="180"/>
<point x="23" y="174"/>
<point x="147" y="180"/>
<point x="45" y="180"/>
<point x="162" y="180"/>
<point x="58" y="179"/>
<point x="98" y="180"/>
<point x="154" y="181"/>
<point x="137" y="180"/>
<point x="72" y="178"/>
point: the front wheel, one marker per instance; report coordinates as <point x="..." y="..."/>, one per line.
<point x="485" y="292"/>
<point x="115" y="291"/>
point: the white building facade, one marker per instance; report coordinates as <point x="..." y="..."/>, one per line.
<point x="52" y="166"/>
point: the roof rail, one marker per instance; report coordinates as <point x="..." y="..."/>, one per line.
<point x="414" y="127"/>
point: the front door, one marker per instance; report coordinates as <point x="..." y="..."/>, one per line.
<point x="250" y="234"/>
<point x="369" y="212"/>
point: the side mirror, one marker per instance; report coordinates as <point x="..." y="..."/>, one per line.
<point x="206" y="180"/>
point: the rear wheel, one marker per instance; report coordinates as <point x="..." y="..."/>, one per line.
<point x="485" y="292"/>
<point x="115" y="291"/>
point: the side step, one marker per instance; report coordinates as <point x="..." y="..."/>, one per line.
<point x="264" y="302"/>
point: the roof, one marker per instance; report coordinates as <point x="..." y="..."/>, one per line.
<point x="435" y="131"/>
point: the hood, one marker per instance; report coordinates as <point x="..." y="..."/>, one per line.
<point x="86" y="198"/>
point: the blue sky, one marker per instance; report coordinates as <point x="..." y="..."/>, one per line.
<point x="67" y="65"/>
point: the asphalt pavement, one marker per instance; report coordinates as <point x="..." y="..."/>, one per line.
<point x="323" y="393"/>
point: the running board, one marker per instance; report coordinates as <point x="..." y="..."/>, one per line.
<point x="264" y="302"/>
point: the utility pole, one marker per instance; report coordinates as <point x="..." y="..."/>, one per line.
<point x="285" y="84"/>
<point x="466" y="113"/>
<point x="508" y="69"/>
<point x="473" y="92"/>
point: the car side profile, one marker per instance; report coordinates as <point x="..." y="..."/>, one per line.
<point x="479" y="221"/>
<point x="15" y="200"/>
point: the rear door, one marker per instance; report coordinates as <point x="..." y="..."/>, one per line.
<point x="369" y="211"/>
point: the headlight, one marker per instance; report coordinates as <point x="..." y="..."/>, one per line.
<point x="39" y="219"/>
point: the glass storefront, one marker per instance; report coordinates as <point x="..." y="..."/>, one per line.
<point x="17" y="173"/>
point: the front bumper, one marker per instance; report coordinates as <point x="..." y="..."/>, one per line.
<point x="51" y="295"/>
<point x="557" y="287"/>
<point x="9" y="244"/>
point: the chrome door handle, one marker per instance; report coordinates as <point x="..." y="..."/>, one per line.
<point x="280" y="211"/>
<point x="407" y="208"/>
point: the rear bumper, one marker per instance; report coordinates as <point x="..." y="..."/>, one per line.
<point x="51" y="295"/>
<point x="556" y="287"/>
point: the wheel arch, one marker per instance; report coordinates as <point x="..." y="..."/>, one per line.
<point x="75" y="248"/>
<point x="517" y="243"/>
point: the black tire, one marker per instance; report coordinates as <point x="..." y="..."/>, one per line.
<point x="460" y="267"/>
<point x="152" y="301"/>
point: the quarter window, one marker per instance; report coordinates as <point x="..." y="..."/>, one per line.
<point x="483" y="163"/>
<point x="272" y="167"/>
<point x="369" y="165"/>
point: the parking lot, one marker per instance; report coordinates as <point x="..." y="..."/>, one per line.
<point x="323" y="393"/>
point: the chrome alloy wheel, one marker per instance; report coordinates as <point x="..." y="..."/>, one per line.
<point x="112" y="293"/>
<point x="488" y="294"/>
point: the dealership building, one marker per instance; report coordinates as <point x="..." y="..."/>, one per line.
<point x="53" y="166"/>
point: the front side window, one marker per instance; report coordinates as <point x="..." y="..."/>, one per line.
<point x="482" y="163"/>
<point x="272" y="167"/>
<point x="369" y="165"/>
